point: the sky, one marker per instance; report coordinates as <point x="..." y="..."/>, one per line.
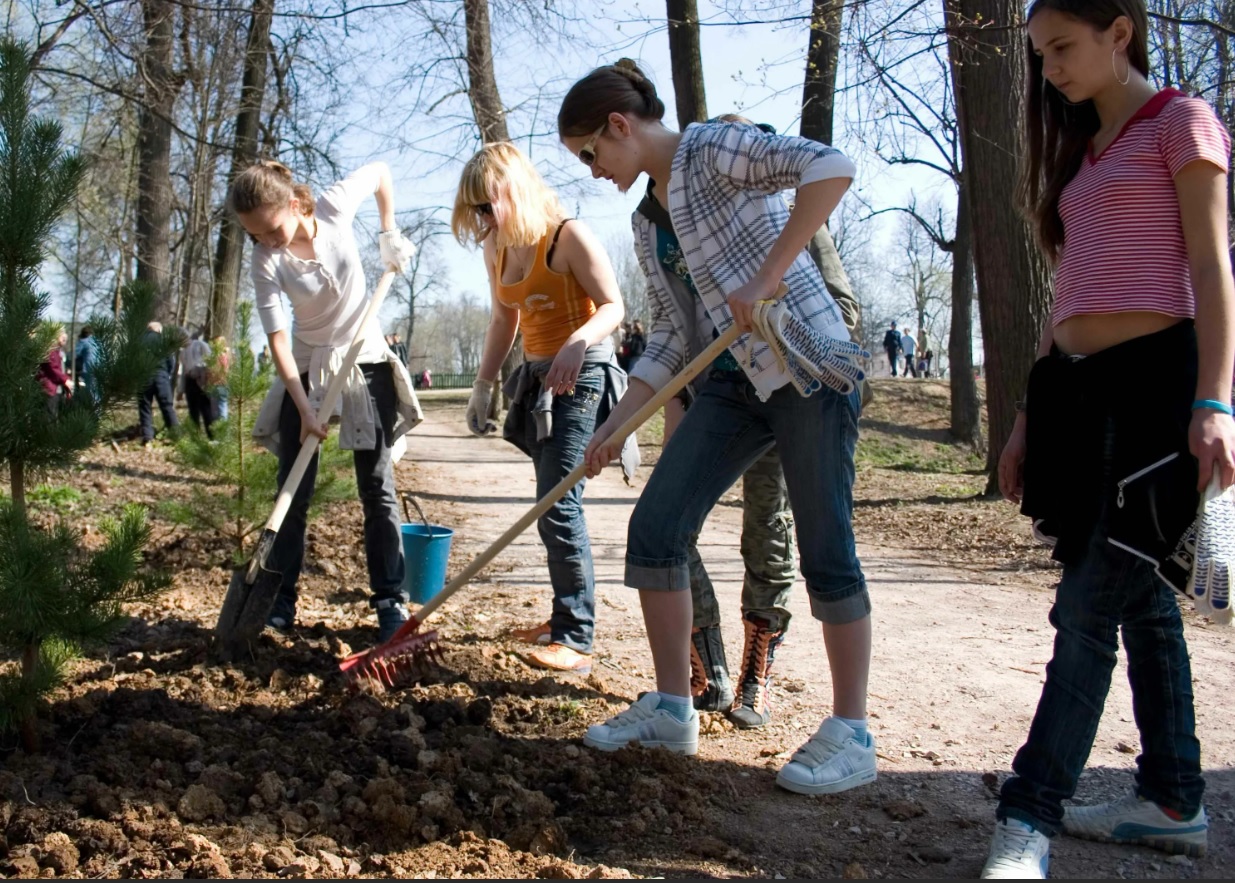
<point x="753" y="69"/>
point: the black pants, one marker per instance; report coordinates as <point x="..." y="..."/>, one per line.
<point x="201" y="406"/>
<point x="892" y="359"/>
<point x="160" y="388"/>
<point x="383" y="537"/>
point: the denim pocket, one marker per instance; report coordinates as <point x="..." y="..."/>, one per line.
<point x="586" y="394"/>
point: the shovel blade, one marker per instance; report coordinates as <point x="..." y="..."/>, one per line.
<point x="245" y="609"/>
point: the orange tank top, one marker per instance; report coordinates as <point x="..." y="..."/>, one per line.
<point x="552" y="306"/>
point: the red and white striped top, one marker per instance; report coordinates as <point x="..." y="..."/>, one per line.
<point x="1124" y="245"/>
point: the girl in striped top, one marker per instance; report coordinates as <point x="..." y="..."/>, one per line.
<point x="1126" y="417"/>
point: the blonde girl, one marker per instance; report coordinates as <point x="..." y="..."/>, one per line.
<point x="549" y="277"/>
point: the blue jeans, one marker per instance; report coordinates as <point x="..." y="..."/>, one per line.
<point x="724" y="432"/>
<point x="1107" y="592"/>
<point x="563" y="529"/>
<point x="375" y="483"/>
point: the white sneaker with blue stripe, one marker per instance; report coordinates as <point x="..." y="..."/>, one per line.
<point x="833" y="760"/>
<point x="646" y="724"/>
<point x="1018" y="852"/>
<point x="1140" y="822"/>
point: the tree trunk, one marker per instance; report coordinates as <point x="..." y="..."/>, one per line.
<point x="490" y="115"/>
<point x="966" y="419"/>
<point x="988" y="69"/>
<point x="482" y="83"/>
<point x="822" y="57"/>
<point x="229" y="253"/>
<point x="686" y="59"/>
<point x="154" y="196"/>
<point x="28" y="728"/>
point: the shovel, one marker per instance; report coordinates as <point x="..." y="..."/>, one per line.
<point x="253" y="587"/>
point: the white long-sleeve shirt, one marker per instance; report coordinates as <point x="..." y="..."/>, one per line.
<point x="328" y="295"/>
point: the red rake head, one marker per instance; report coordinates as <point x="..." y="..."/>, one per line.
<point x="397" y="660"/>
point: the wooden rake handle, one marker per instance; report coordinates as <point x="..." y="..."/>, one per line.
<point x="309" y="447"/>
<point x="668" y="391"/>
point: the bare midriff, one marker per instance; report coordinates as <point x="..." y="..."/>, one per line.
<point x="1091" y="333"/>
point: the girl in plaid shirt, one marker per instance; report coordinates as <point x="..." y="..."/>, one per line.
<point x="721" y="184"/>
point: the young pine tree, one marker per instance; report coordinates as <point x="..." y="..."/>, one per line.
<point x="241" y="478"/>
<point x="55" y="597"/>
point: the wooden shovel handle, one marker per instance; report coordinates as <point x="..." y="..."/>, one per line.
<point x="309" y="447"/>
<point x="655" y="403"/>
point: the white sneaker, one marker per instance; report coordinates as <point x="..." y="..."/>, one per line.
<point x="1142" y="822"/>
<point x="646" y="724"/>
<point x="1018" y="852"/>
<point x="832" y="761"/>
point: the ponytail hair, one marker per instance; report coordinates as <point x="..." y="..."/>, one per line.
<point x="1057" y="131"/>
<point x="615" y="88"/>
<point x="267" y="184"/>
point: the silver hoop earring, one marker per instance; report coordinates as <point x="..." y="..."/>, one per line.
<point x="1127" y="69"/>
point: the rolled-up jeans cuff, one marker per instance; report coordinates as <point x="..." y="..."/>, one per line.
<point x="843" y="610"/>
<point x="658" y="575"/>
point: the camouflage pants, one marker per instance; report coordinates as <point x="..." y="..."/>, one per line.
<point x="768" y="551"/>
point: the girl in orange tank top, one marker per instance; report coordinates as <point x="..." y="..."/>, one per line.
<point x="549" y="277"/>
<point x="552" y="306"/>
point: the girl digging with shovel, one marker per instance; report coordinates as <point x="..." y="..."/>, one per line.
<point x="721" y="185"/>
<point x="306" y="249"/>
<point x="549" y="276"/>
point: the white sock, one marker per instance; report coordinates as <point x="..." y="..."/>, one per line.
<point x="681" y="707"/>
<point x="858" y="726"/>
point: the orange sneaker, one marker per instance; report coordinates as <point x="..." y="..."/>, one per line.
<point x="537" y="634"/>
<point x="559" y="657"/>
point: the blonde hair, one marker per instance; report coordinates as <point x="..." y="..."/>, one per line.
<point x="525" y="208"/>
<point x="267" y="184"/>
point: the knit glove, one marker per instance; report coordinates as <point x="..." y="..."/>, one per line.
<point x="1214" y="565"/>
<point x="806" y="356"/>
<point x="396" y="251"/>
<point x="481" y="408"/>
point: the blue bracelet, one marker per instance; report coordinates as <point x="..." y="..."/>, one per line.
<point x="1213" y="404"/>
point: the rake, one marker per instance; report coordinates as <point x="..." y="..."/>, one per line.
<point x="386" y="664"/>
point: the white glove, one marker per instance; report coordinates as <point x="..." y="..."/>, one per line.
<point x="1210" y="586"/>
<point x="396" y="251"/>
<point x="481" y="413"/>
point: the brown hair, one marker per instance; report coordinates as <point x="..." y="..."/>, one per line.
<point x="1057" y="132"/>
<point x="615" y="88"/>
<point x="265" y="184"/>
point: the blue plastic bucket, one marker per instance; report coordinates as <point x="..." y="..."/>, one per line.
<point x="425" y="557"/>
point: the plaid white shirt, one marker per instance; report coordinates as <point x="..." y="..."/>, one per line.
<point x="727" y="212"/>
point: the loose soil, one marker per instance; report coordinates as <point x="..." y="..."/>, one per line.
<point x="161" y="763"/>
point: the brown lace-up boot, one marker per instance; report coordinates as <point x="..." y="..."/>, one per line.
<point x="752" y="708"/>
<point x="710" y="685"/>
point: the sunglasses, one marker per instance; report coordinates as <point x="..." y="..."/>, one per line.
<point x="587" y="153"/>
<point x="485" y="208"/>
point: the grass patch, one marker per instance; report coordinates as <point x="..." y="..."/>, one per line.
<point x="569" y="709"/>
<point x="54" y="496"/>
<point x="653" y="432"/>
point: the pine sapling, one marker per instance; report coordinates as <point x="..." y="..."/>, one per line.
<point x="55" y="597"/>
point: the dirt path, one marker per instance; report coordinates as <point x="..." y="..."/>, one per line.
<point x="957" y="671"/>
